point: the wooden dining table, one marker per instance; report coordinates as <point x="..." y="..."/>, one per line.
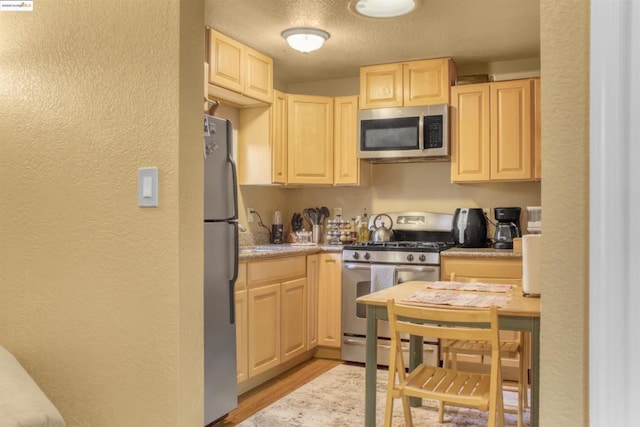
<point x="521" y="313"/>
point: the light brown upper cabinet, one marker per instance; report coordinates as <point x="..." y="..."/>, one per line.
<point x="348" y="169"/>
<point x="262" y="134"/>
<point x="424" y="82"/>
<point x="538" y="129"/>
<point x="493" y="132"/>
<point x="238" y="73"/>
<point x="309" y="139"/>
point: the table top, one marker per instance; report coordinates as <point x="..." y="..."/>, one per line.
<point x="519" y="305"/>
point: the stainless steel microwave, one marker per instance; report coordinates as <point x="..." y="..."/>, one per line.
<point x="404" y="134"/>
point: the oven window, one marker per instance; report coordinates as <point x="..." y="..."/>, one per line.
<point x="363" y="288"/>
<point x="390" y="134"/>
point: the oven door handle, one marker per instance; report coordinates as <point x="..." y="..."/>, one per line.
<point x="408" y="269"/>
<point x="357" y="266"/>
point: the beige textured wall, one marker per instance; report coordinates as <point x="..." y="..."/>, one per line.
<point x="100" y="299"/>
<point x="565" y="202"/>
<point x="394" y="187"/>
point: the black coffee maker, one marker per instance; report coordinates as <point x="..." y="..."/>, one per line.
<point x="507" y="227"/>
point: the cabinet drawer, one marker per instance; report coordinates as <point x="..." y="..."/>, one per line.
<point x="482" y="268"/>
<point x="275" y="270"/>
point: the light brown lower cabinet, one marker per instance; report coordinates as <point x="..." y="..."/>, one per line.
<point x="265" y="321"/>
<point x="242" y="339"/>
<point x="313" y="266"/>
<point x="294" y="318"/>
<point x="329" y="300"/>
<point x="275" y="313"/>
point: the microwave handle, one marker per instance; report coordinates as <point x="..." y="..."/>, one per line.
<point x="421" y="132"/>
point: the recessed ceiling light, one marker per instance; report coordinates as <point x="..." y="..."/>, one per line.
<point x="382" y="8"/>
<point x="305" y="39"/>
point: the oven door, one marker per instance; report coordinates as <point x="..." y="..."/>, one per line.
<point x="356" y="281"/>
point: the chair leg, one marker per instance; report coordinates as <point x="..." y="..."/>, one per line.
<point x="388" y="412"/>
<point x="441" y="411"/>
<point x="500" y="405"/>
<point x="407" y="411"/>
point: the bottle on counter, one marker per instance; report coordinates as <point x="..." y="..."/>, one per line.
<point x="277" y="229"/>
<point x="363" y="231"/>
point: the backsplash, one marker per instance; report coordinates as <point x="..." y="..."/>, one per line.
<point x="394" y="188"/>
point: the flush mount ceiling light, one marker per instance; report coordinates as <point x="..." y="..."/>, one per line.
<point x="305" y="39"/>
<point x="382" y="8"/>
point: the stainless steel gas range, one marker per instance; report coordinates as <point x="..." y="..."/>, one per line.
<point x="418" y="239"/>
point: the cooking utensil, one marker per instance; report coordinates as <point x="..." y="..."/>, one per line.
<point x="306" y="214"/>
<point x="324" y="212"/>
<point x="380" y="232"/>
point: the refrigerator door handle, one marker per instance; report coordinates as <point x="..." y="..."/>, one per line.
<point x="234" y="172"/>
<point x="232" y="282"/>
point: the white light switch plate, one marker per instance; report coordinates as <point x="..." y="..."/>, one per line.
<point x="148" y="187"/>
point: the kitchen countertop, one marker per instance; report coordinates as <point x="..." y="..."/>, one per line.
<point x="249" y="253"/>
<point x="481" y="253"/>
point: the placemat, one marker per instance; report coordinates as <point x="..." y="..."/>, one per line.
<point x="471" y="286"/>
<point x="458" y="299"/>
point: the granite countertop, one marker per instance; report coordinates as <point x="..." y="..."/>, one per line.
<point x="481" y="253"/>
<point x="248" y="253"/>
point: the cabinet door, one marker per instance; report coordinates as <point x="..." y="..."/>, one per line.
<point x="310" y="139"/>
<point x="381" y="86"/>
<point x="259" y="75"/>
<point x="279" y="138"/>
<point x="470" y="133"/>
<point x="427" y="82"/>
<point x="490" y="269"/>
<point x="242" y="339"/>
<point x="511" y="130"/>
<point x="313" y="265"/>
<point x="294" y="318"/>
<point x="346" y="163"/>
<point x="329" y="300"/>
<point x="254" y="146"/>
<point x="537" y="130"/>
<point x="226" y="61"/>
<point x="264" y="328"/>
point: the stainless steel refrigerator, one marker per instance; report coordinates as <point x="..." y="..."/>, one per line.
<point x="220" y="270"/>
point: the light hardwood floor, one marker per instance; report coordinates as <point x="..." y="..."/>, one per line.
<point x="262" y="396"/>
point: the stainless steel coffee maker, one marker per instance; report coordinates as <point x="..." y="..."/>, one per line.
<point x="507" y="227"/>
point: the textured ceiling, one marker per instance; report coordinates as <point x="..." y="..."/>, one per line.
<point x="469" y="31"/>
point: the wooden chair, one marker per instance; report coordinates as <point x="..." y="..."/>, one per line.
<point x="477" y="390"/>
<point x="514" y="349"/>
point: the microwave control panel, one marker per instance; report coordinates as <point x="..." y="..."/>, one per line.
<point x="433" y="131"/>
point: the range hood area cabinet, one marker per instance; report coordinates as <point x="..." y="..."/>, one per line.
<point x="310" y="140"/>
<point x="237" y="73"/>
<point x="404" y="84"/>
<point x="495" y="131"/>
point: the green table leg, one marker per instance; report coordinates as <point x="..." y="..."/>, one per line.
<point x="370" y="368"/>
<point x="415" y="358"/>
<point x="535" y="372"/>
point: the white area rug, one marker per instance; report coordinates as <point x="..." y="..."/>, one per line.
<point x="336" y="399"/>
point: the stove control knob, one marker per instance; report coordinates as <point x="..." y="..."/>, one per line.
<point x="422" y="258"/>
<point x="410" y="257"/>
<point x="367" y="256"/>
<point x="356" y="255"/>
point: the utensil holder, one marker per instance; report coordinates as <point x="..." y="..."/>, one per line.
<point x="316" y="233"/>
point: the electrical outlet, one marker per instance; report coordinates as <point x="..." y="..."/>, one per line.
<point x="249" y="215"/>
